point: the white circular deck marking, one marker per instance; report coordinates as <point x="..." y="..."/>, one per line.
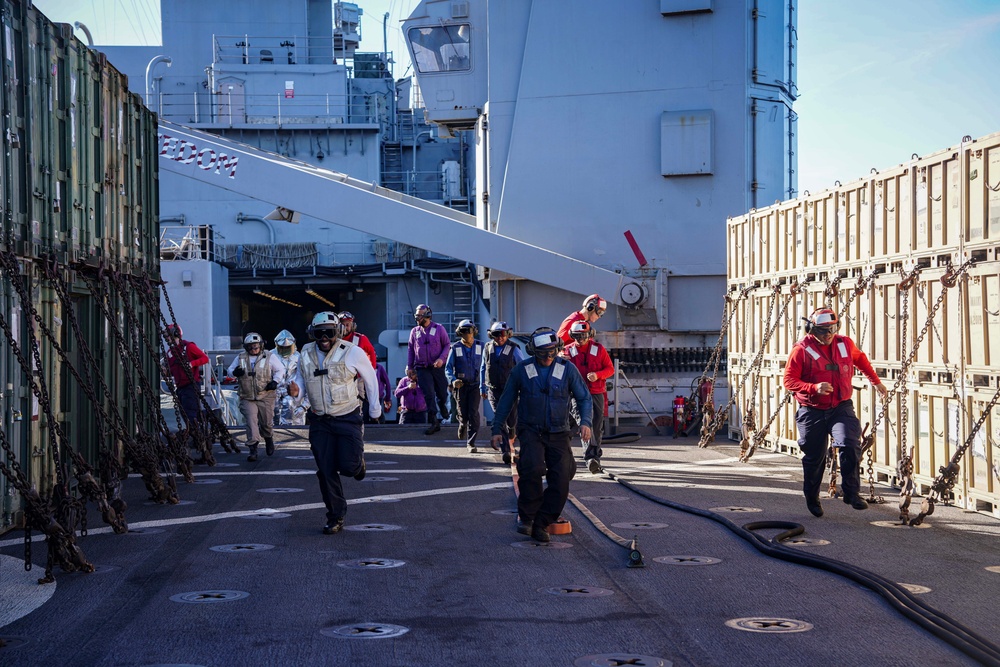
<point x="22" y="591"/>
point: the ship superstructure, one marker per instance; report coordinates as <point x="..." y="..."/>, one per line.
<point x="542" y="132"/>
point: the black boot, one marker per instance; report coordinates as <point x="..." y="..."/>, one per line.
<point x="252" y="448"/>
<point x="269" y="446"/>
<point x="812" y="504"/>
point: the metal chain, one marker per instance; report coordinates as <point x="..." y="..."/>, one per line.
<point x="831" y="455"/>
<point x="831" y="292"/>
<point x="761" y="435"/>
<point x="948" y="280"/>
<point x="81" y="469"/>
<point x="714" y="360"/>
<point x="948" y="475"/>
<point x="106" y="495"/>
<point x="904" y="467"/>
<point x="146" y="458"/>
<point x="39" y="387"/>
<point x="201" y="440"/>
<point x="175" y="442"/>
<point x="111" y="471"/>
<point x="217" y="426"/>
<point x="864" y="282"/>
<point x="173" y="456"/>
<point x="953" y="275"/>
<point x="754" y="368"/>
<point x="44" y="513"/>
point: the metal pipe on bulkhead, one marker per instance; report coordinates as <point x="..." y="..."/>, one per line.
<point x="82" y="28"/>
<point x="240" y="218"/>
<point x="149" y="68"/>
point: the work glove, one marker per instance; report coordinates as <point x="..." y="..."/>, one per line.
<point x="271" y="386"/>
<point x="239" y="372"/>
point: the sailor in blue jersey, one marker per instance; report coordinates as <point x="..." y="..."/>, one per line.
<point x="542" y="385"/>
<point x="499" y="358"/>
<point x="328" y="371"/>
<point x="462" y="371"/>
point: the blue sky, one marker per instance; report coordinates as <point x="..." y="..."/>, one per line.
<point x="879" y="80"/>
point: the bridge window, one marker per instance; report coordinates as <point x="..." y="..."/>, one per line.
<point x="440" y="48"/>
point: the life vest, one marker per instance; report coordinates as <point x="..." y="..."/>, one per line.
<point x="499" y="365"/>
<point x="252" y="386"/>
<point x="819" y="366"/>
<point x="467" y="361"/>
<point x="334" y="392"/>
<point x="587" y="362"/>
<point x="544" y="407"/>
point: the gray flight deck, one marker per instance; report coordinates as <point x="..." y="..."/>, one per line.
<point x="430" y="570"/>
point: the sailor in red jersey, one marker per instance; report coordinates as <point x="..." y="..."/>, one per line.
<point x="595" y="365"/>
<point x="593" y="308"/>
<point x="819" y="372"/>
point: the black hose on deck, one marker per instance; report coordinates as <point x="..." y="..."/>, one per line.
<point x="937" y="623"/>
<point x="621" y="438"/>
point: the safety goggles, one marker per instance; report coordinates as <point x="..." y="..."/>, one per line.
<point x="546" y="354"/>
<point x="324" y="334"/>
<point x="824" y="331"/>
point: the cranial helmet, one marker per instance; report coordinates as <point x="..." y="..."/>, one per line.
<point x="544" y="341"/>
<point x="284" y="338"/>
<point x="252" y="339"/>
<point x="329" y="321"/>
<point x="594" y="303"/>
<point x="173" y="331"/>
<point x="466" y="326"/>
<point x="285" y="343"/>
<point x="498" y="328"/>
<point x="581" y="331"/>
<point x="822" y="320"/>
<point x="422" y="311"/>
<point x="347" y="320"/>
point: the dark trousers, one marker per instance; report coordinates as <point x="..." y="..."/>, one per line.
<point x="434" y="384"/>
<point x="190" y="399"/>
<point x="468" y="403"/>
<point x="337" y="445"/>
<point x="548" y="455"/>
<point x="413" y="417"/>
<point x="364" y="411"/>
<point x="509" y="427"/>
<point x="816" y="427"/>
<point x="594" y="451"/>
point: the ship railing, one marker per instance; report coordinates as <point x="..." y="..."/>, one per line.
<point x="273" y="49"/>
<point x="234" y="108"/>
<point x="187" y="242"/>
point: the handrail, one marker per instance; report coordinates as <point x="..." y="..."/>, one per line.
<point x="237" y="108"/>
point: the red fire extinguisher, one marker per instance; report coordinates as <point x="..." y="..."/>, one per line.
<point x="680" y="414"/>
<point x="704" y="389"/>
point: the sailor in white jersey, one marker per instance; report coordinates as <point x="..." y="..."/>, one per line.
<point x="328" y="369"/>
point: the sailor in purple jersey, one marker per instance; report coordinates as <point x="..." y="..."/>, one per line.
<point x="427" y="352"/>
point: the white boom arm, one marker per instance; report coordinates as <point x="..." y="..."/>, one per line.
<point x="348" y="202"/>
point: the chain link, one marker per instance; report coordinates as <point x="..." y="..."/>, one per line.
<point x="944" y="483"/>
<point x="709" y="424"/>
<point x="44" y="513"/>
<point x="218" y="428"/>
<point x="146" y="459"/>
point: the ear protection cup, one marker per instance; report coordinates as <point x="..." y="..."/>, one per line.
<point x="530" y="346"/>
